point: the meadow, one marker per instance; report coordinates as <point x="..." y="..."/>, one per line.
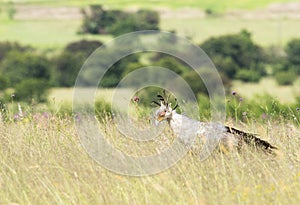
<point x="187" y="18"/>
<point x="43" y="162"/>
<point x="216" y="5"/>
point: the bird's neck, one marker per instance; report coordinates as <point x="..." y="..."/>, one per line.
<point x="175" y="122"/>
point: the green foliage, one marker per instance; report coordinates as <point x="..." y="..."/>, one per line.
<point x="83" y="46"/>
<point x="119" y="69"/>
<point x="18" y="66"/>
<point x="32" y="89"/>
<point x="67" y="67"/>
<point x="293" y="55"/>
<point x="116" y="22"/>
<point x="248" y="75"/>
<point x="103" y="109"/>
<point x="3" y="82"/>
<point x="11" y="10"/>
<point x="285" y="77"/>
<point x="171" y="63"/>
<point x="6" y="47"/>
<point x="233" y="52"/>
<point x="69" y="62"/>
<point x="131" y="67"/>
<point x="225" y="65"/>
<point x="286" y="68"/>
<point x="147" y="95"/>
<point x="293" y="50"/>
<point x="195" y="82"/>
<point x="197" y="85"/>
<point x="260" y="109"/>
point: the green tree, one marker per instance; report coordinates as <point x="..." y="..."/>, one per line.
<point x="83" y="46"/>
<point x="69" y="62"/>
<point x="115" y="72"/>
<point x="196" y="83"/>
<point x="11" y="10"/>
<point x="97" y="20"/>
<point x="172" y="63"/>
<point x="67" y="67"/>
<point x="32" y="89"/>
<point x="285" y="77"/>
<point x="18" y="66"/>
<point x="147" y="20"/>
<point x="6" y="47"/>
<point x="233" y="52"/>
<point x="3" y="82"/>
<point x="293" y="54"/>
<point x="247" y="75"/>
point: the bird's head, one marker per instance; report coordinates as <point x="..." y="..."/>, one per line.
<point x="165" y="110"/>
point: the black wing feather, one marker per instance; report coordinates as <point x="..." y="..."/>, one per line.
<point x="251" y="139"/>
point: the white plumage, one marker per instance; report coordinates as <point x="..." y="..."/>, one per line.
<point x="187" y="129"/>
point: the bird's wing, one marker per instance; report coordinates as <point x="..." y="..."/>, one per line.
<point x="251" y="139"/>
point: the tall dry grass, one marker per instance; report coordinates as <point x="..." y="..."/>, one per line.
<point x="43" y="162"/>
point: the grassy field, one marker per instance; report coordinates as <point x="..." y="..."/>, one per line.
<point x="265" y="32"/>
<point x="44" y="34"/>
<point x="216" y="5"/>
<point x="43" y="162"/>
<point x="285" y="94"/>
<point x="55" y="34"/>
<point x="65" y="95"/>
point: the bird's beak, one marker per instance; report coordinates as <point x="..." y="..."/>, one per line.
<point x="160" y="118"/>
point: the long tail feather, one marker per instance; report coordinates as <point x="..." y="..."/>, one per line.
<point x="251" y="139"/>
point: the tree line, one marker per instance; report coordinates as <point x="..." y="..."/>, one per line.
<point x="28" y="73"/>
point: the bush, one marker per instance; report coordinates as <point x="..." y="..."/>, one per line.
<point x="248" y="75"/>
<point x="233" y="52"/>
<point x="293" y="50"/>
<point x="172" y="63"/>
<point x="83" y="46"/>
<point x="115" y="72"/>
<point x="18" y="66"/>
<point x="67" y="67"/>
<point x="6" y="47"/>
<point x="3" y="82"/>
<point x="97" y="20"/>
<point x="69" y="62"/>
<point x="31" y="89"/>
<point x="285" y="78"/>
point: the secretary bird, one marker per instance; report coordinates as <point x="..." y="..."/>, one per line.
<point x="185" y="128"/>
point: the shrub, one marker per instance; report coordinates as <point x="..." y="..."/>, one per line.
<point x="11" y="10"/>
<point x="198" y="86"/>
<point x="285" y="78"/>
<point x="6" y="47"/>
<point x="248" y="75"/>
<point x="67" y="67"/>
<point x="292" y="50"/>
<point x="97" y="20"/>
<point x="32" y="89"/>
<point x="235" y="51"/>
<point x="18" y="66"/>
<point x="3" y="82"/>
<point x="172" y="63"/>
<point x="83" y="46"/>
